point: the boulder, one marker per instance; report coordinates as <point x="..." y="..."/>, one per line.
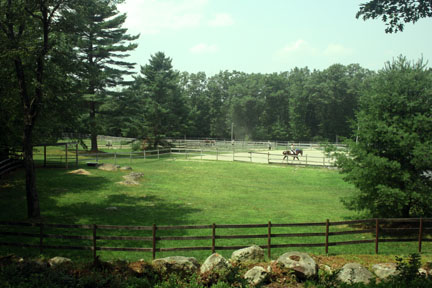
<point x="176" y="264"/>
<point x="58" y="261"/>
<point x="384" y="270"/>
<point x="257" y="275"/>
<point x="9" y="259"/>
<point x="214" y="262"/>
<point x="108" y="167"/>
<point x="253" y="253"/>
<point x="422" y="272"/>
<point x="354" y="273"/>
<point x="125" y="168"/>
<point x="302" y="264"/>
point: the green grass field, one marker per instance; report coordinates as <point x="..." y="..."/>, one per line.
<point x="176" y="191"/>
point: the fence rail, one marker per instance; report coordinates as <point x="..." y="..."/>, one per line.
<point x="374" y="227"/>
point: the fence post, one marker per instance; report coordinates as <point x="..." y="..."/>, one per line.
<point x="66" y="155"/>
<point x="154" y="242"/>
<point x="115" y="158"/>
<point x="201" y="154"/>
<point x="76" y="155"/>
<point x="269" y="240"/>
<point x="268" y="157"/>
<point x="217" y="154"/>
<point x="41" y="238"/>
<point x="306" y="158"/>
<point x="323" y="161"/>
<point x="213" y="238"/>
<point x="376" y="235"/>
<point x="144" y="155"/>
<point x="420" y="234"/>
<point x="94" y="242"/>
<point x="45" y="156"/>
<point x="158" y="152"/>
<point x="233" y="154"/>
<point x="130" y="158"/>
<point x="327" y="236"/>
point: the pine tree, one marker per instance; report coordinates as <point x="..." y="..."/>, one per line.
<point x="102" y="43"/>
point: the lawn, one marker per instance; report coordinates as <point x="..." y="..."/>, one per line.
<point x="177" y="191"/>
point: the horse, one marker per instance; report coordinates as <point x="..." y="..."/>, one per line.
<point x="295" y="155"/>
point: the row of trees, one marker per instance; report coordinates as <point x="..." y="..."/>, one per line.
<point x="300" y="104"/>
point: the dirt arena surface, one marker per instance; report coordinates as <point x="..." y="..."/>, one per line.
<point x="310" y="156"/>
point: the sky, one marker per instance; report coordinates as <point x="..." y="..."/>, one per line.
<point x="267" y="36"/>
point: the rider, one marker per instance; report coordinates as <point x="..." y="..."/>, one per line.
<point x="292" y="148"/>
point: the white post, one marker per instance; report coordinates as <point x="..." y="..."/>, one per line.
<point x="250" y="153"/>
<point x="217" y="154"/>
<point x="158" y="152"/>
<point x="268" y="157"/>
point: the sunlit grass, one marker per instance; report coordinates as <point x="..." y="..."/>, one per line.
<point x="175" y="191"/>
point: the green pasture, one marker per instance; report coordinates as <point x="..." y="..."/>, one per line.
<point x="177" y="191"/>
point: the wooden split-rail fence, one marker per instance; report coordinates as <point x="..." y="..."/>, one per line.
<point x="379" y="229"/>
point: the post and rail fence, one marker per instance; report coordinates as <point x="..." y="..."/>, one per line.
<point x="381" y="230"/>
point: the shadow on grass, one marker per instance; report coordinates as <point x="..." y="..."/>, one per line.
<point x="77" y="199"/>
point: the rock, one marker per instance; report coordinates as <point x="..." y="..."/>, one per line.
<point x="125" y="168"/>
<point x="257" y="275"/>
<point x="176" y="264"/>
<point x="108" y="167"/>
<point x="214" y="262"/>
<point x="302" y="264"/>
<point x="253" y="253"/>
<point x="384" y="270"/>
<point x="354" y="273"/>
<point x="327" y="269"/>
<point x="422" y="272"/>
<point x="80" y="172"/>
<point x="9" y="259"/>
<point x="58" y="261"/>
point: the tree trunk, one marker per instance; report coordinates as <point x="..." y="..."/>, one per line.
<point x="33" y="209"/>
<point x="93" y="128"/>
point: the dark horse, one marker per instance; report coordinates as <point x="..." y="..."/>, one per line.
<point x="295" y="155"/>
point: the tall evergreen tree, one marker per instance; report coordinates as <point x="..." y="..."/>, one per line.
<point x="102" y="43"/>
<point x="162" y="104"/>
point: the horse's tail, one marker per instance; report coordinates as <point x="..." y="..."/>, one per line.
<point x="300" y="152"/>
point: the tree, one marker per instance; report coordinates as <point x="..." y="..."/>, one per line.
<point x="162" y="106"/>
<point x="396" y="12"/>
<point x="101" y="44"/>
<point x="390" y="164"/>
<point x="26" y="29"/>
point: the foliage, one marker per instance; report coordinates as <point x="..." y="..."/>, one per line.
<point x="395" y="12"/>
<point x="160" y="109"/>
<point x="101" y="44"/>
<point x="394" y="130"/>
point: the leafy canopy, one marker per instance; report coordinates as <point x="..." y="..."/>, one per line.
<point x="391" y="162"/>
<point x="396" y="12"/>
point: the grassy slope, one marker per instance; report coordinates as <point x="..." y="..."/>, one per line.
<point x="175" y="192"/>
